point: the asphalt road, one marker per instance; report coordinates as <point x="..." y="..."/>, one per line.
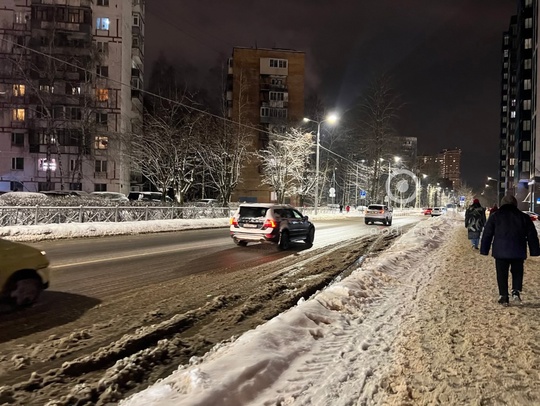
<point x="106" y="266"/>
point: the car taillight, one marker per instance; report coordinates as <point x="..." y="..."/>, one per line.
<point x="234" y="222"/>
<point x="268" y="223"/>
<point x="381" y="211"/>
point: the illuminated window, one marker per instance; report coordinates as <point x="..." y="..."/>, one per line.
<point x="527" y="84"/>
<point x="101" y="142"/>
<point x="45" y="164"/>
<point x="526" y="125"/>
<point x="528" y="43"/>
<point x="102" y="94"/>
<point x="526" y="146"/>
<point x="526" y="104"/>
<point x="19" y="90"/>
<point x="73" y="88"/>
<point x="102" y="23"/>
<point x="527" y="63"/>
<point x="46" y="88"/>
<point x="18" y="114"/>
<point x="528" y="22"/>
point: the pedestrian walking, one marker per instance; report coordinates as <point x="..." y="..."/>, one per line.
<point x="348" y="209"/>
<point x="475" y="219"/>
<point x="510" y="230"/>
<point x="493" y="209"/>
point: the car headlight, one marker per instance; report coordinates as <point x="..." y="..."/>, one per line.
<point x="43" y="253"/>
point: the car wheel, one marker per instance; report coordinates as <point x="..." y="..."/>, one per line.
<point x="284" y="241"/>
<point x="389" y="222"/>
<point x="385" y="222"/>
<point x="25" y="291"/>
<point x="240" y="243"/>
<point x="310" y="237"/>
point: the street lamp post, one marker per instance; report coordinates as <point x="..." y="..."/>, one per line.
<point x="332" y="118"/>
<point x="496" y="180"/>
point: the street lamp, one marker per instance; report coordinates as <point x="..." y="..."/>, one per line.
<point x="396" y="160"/>
<point x="496" y="180"/>
<point x="332" y="118"/>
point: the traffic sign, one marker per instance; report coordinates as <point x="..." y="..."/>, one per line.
<point x="363" y="194"/>
<point x="332" y="192"/>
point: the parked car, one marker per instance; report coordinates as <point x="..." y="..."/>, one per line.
<point x="148" y="196"/>
<point x="24" y="273"/>
<point x="378" y="212"/>
<point x="437" y="211"/>
<point x="115" y="196"/>
<point x="270" y="223"/>
<point x="206" y="202"/>
<point x="427" y="211"/>
<point x="532" y="215"/>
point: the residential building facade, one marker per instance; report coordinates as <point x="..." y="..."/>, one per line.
<point x="265" y="94"/>
<point x="70" y="74"/>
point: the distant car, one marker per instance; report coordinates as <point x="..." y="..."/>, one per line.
<point x="427" y="211"/>
<point x="380" y="213"/>
<point x="24" y="273"/>
<point x="270" y="223"/>
<point x="532" y="215"/>
<point x="149" y="196"/>
<point x="437" y="211"/>
<point x="206" y="202"/>
<point x="64" y="193"/>
<point x="115" y="196"/>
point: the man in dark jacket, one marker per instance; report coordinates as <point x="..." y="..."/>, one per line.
<point x="510" y="230"/>
<point x="475" y="218"/>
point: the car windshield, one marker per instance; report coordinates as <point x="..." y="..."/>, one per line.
<point x="253" y="211"/>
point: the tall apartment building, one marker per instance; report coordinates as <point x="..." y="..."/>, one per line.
<point x="69" y="74"/>
<point x="519" y="153"/>
<point x="265" y="91"/>
<point x="445" y="167"/>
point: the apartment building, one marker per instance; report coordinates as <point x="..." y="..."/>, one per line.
<point x="519" y="157"/>
<point x="445" y="167"/>
<point x="265" y="93"/>
<point x="70" y="72"/>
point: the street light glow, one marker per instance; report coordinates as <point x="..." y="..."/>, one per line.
<point x="332" y="118"/>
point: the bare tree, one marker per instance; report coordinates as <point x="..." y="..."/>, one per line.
<point x="285" y="162"/>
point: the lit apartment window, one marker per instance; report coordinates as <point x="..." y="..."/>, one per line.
<point x="18" y="114"/>
<point x="103" y="71"/>
<point x="528" y="22"/>
<point x="527" y="64"/>
<point x="45" y="164"/>
<point x="101" y="142"/>
<point x="17" y="139"/>
<point x="102" y="94"/>
<point x="19" y="90"/>
<point x="525" y="166"/>
<point x="527" y="84"/>
<point x="512" y="114"/>
<point x="526" y="146"/>
<point x="20" y="17"/>
<point x="526" y="104"/>
<point x="528" y="3"/>
<point x="17" y="164"/>
<point x="103" y="3"/>
<point x="528" y="43"/>
<point x="101" y="166"/>
<point x="526" y="125"/>
<point x="102" y="23"/>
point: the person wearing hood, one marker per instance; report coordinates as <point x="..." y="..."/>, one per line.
<point x="475" y="218"/>
<point x="510" y="231"/>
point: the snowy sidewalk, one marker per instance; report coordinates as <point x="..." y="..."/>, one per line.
<point x="459" y="347"/>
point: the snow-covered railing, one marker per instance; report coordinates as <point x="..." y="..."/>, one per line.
<point x="32" y="215"/>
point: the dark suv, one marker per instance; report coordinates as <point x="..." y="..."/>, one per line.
<point x="274" y="223"/>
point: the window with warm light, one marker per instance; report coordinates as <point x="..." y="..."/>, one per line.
<point x="102" y="94"/>
<point x="101" y="142"/>
<point x="18" y="114"/>
<point x="19" y="90"/>
<point x="45" y="164"/>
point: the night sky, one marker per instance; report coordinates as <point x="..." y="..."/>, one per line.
<point x="444" y="56"/>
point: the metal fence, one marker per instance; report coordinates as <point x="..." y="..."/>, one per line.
<point x="32" y="215"/>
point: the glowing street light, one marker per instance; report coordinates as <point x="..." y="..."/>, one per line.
<point x="331" y="118"/>
<point x="489" y="178"/>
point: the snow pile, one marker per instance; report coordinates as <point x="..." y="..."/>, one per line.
<point x="341" y="336"/>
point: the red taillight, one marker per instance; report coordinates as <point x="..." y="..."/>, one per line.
<point x="233" y="222"/>
<point x="381" y="211"/>
<point x="268" y="223"/>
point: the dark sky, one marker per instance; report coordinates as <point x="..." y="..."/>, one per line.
<point x="444" y="56"/>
